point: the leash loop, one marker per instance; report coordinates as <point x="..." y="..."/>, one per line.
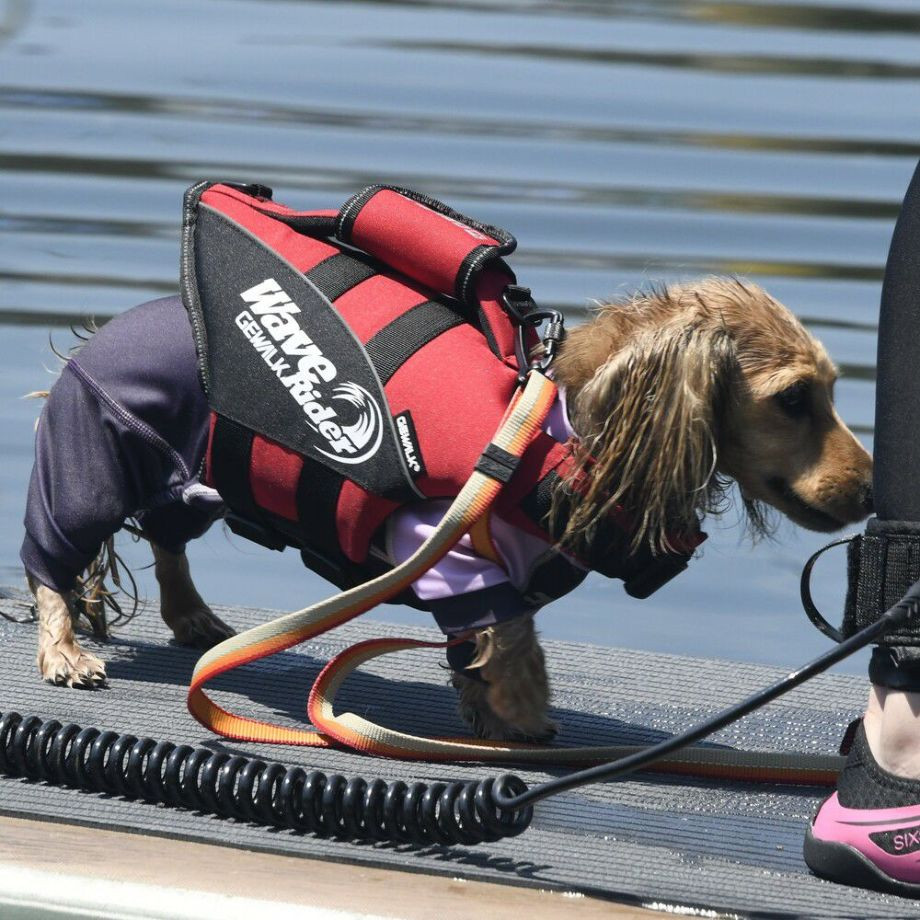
<point x="811" y="610"/>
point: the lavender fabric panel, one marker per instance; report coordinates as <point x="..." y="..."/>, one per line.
<point x="462" y="571"/>
<point x="124" y="430"/>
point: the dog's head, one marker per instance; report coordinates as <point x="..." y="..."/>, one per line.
<point x="677" y="390"/>
<point x="782" y="439"/>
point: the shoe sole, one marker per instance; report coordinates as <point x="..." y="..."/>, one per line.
<point x="841" y="863"/>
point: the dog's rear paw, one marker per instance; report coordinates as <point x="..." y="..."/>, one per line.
<point x="200" y="627"/>
<point x="68" y="665"/>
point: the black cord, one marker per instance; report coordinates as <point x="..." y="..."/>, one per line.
<point x="906" y="609"/>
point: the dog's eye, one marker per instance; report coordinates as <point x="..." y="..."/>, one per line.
<point x="793" y="400"/>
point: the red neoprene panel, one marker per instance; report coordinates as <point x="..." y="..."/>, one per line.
<point x="273" y="476"/>
<point x="457" y="392"/>
<point x="358" y="515"/>
<point x="303" y="252"/>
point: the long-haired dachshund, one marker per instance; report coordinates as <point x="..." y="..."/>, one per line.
<point x="673" y="394"/>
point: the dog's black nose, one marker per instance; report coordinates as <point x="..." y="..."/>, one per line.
<point x="865" y="497"/>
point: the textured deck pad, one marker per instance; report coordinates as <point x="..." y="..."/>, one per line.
<point x="653" y="840"/>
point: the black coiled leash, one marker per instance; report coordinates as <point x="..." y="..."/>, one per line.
<point x="332" y="806"/>
<point x="252" y="790"/>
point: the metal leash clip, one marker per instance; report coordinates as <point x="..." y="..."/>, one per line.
<point x="520" y="305"/>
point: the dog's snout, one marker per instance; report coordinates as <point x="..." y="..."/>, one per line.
<point x="866" y="498"/>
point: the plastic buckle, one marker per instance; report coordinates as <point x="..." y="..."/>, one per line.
<point x="250" y="530"/>
<point x="518" y="302"/>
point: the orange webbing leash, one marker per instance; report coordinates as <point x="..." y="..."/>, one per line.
<point x="353" y="731"/>
<point x="522" y="422"/>
<point x="524" y="418"/>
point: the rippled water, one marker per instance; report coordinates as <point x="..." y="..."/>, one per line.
<point x="621" y="142"/>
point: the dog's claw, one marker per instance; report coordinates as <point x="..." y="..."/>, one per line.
<point x="72" y="667"/>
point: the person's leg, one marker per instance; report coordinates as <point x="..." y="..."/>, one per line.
<point x="892" y="720"/>
<point x="868" y="832"/>
<point x="892" y="727"/>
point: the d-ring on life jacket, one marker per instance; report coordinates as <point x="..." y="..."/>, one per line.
<point x="358" y="360"/>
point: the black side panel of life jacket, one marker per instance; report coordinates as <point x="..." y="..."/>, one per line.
<point x="282" y="362"/>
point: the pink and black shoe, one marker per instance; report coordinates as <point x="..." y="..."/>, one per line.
<point x="867" y="833"/>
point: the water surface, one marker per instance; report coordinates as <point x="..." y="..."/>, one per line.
<point x="621" y="142"/>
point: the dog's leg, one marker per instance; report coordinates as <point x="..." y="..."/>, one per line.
<point x="511" y="701"/>
<point x="61" y="660"/>
<point x="181" y="606"/>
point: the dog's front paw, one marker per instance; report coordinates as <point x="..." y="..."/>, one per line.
<point x="198" y="627"/>
<point x="476" y="710"/>
<point x="68" y="665"/>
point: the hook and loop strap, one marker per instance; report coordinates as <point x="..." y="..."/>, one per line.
<point x="521" y="424"/>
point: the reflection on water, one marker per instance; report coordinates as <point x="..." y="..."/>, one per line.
<point x="715" y="63"/>
<point x="621" y="142"/>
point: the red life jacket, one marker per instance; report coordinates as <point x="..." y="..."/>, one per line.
<point x="359" y="360"/>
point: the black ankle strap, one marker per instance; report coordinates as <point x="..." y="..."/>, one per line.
<point x="882" y="564"/>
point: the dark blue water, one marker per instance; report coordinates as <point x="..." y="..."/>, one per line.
<point x="622" y="142"/>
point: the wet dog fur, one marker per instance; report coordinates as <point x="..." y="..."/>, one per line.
<point x="676" y="393"/>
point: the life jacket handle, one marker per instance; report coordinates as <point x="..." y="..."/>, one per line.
<point x="424" y="239"/>
<point x="418" y="236"/>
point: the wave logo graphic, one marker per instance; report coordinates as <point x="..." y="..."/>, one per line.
<point x="366" y="432"/>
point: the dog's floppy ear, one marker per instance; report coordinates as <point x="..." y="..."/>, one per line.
<point x="649" y="424"/>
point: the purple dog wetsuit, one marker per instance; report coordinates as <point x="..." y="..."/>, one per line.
<point x="124" y="433"/>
